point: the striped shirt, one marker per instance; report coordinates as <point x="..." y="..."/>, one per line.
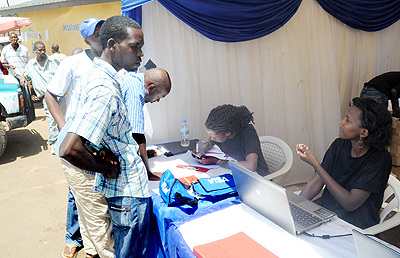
<point x="18" y="58"/>
<point x="41" y="76"/>
<point x="101" y="118"/>
<point x="134" y="93"/>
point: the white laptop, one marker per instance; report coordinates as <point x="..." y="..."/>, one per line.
<point x="367" y="247"/>
<point x="276" y="204"/>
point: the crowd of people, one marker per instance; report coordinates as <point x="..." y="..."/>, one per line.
<point x="94" y="102"/>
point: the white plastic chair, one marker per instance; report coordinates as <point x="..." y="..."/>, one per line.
<point x="277" y="154"/>
<point x="388" y="206"/>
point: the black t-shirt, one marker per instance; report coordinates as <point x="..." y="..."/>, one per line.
<point x="245" y="142"/>
<point x="369" y="172"/>
<point x="385" y="83"/>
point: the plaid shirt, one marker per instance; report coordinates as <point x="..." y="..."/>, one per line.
<point x="134" y="94"/>
<point x="101" y="118"/>
<point x="18" y="58"/>
<point x="41" y="76"/>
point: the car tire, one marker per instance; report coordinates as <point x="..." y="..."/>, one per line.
<point x="29" y="108"/>
<point x="3" y="139"/>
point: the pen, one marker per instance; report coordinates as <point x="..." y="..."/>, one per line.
<point x="197" y="148"/>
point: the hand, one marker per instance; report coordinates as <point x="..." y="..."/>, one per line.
<point x="107" y="155"/>
<point x="202" y="147"/>
<point x="151" y="153"/>
<point x="206" y="160"/>
<point x="12" y="66"/>
<point x="113" y="174"/>
<point x="154" y="176"/>
<point x="22" y="81"/>
<point x="305" y="154"/>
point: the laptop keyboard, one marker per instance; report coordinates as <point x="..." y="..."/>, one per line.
<point x="324" y="213"/>
<point x="303" y="217"/>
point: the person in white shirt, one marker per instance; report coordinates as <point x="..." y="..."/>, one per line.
<point x="15" y="56"/>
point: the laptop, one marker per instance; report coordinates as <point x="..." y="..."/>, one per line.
<point x="276" y="203"/>
<point x="367" y="247"/>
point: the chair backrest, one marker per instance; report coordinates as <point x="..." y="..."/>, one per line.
<point x="389" y="204"/>
<point x="277" y="154"/>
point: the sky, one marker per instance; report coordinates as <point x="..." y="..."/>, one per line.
<point x="3" y="3"/>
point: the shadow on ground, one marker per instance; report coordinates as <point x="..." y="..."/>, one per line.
<point x="22" y="143"/>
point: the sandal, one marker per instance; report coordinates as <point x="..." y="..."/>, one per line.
<point x="74" y="249"/>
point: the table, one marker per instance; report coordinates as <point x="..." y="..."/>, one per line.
<point x="176" y="230"/>
<point x="163" y="215"/>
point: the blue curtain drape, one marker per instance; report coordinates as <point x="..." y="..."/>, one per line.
<point x="241" y="20"/>
<point x="233" y="20"/>
<point x="133" y="9"/>
<point x="367" y="15"/>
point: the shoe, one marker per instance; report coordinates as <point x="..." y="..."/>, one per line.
<point x="53" y="148"/>
<point x="72" y="249"/>
<point x="92" y="256"/>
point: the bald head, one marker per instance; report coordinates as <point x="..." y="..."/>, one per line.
<point x="55" y="48"/>
<point x="157" y="83"/>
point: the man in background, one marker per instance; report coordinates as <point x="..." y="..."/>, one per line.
<point x="56" y="53"/>
<point x="40" y="71"/>
<point x="15" y="56"/>
<point x="382" y="88"/>
<point x="137" y="89"/>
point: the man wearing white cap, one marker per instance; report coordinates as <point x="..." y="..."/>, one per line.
<point x="65" y="81"/>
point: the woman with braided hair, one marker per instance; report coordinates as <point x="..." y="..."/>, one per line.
<point x="230" y="128"/>
<point x="356" y="167"/>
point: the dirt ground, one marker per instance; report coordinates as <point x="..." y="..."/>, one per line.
<point x="33" y="194"/>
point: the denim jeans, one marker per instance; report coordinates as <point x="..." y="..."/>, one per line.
<point x="131" y="224"/>
<point x="73" y="235"/>
<point x="51" y="123"/>
<point x="371" y="92"/>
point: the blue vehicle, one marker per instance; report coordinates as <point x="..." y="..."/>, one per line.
<point x="16" y="107"/>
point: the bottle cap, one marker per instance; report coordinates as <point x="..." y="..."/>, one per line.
<point x="184" y="121"/>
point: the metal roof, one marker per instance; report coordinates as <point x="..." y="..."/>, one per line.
<point x="38" y="5"/>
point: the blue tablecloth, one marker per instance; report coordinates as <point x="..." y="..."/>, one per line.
<point x="165" y="239"/>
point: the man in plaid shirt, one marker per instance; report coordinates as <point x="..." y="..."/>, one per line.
<point x="102" y="120"/>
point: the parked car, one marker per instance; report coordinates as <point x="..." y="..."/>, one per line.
<point x="16" y="107"/>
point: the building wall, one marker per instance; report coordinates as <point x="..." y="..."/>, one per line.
<point x="62" y="25"/>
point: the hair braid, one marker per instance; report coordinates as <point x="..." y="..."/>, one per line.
<point x="228" y="118"/>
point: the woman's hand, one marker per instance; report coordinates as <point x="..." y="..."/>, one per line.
<point x="306" y="155"/>
<point x="207" y="160"/>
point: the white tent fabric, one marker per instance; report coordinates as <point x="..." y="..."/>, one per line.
<point x="298" y="81"/>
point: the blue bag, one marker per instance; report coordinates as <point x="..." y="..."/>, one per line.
<point x="213" y="187"/>
<point x="173" y="192"/>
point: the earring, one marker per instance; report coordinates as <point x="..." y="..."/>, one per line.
<point x="360" y="143"/>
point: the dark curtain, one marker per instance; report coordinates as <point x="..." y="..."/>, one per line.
<point x="241" y="20"/>
<point x="233" y="20"/>
<point x="367" y="15"/>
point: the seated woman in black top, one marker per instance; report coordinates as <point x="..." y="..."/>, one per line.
<point x="356" y="167"/>
<point x="229" y="127"/>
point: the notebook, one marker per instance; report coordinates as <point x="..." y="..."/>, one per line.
<point x="175" y="148"/>
<point x="367" y="247"/>
<point x="276" y="204"/>
<point x="236" y="246"/>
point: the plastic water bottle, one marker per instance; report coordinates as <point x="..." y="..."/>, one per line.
<point x="184" y="134"/>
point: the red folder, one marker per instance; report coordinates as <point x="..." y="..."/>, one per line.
<point x="195" y="168"/>
<point x="239" y="245"/>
